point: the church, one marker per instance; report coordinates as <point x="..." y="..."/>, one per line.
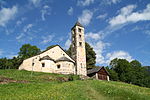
<point x="56" y="60"/>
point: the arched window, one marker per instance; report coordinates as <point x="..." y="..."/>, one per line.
<point x="80" y="43"/>
<point x="43" y="64"/>
<point x="79" y="29"/>
<point x="58" y="66"/>
<point x="80" y="37"/>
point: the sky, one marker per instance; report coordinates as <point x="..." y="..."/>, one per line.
<point x="114" y="28"/>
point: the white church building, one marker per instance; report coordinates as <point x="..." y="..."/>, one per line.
<point x="56" y="60"/>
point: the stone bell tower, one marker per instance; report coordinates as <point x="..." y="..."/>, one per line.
<point x="78" y="49"/>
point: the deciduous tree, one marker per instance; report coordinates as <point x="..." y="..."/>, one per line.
<point x="27" y="51"/>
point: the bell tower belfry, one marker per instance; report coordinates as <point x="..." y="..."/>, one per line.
<point x="78" y="52"/>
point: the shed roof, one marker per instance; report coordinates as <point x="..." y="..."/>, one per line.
<point x="95" y="70"/>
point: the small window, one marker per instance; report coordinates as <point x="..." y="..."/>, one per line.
<point x="81" y="65"/>
<point x="80" y="43"/>
<point x="43" y="64"/>
<point x="32" y="64"/>
<point x="58" y="66"/>
<point x="79" y="29"/>
<point x="80" y="36"/>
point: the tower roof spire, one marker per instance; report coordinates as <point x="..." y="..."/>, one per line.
<point x="77" y="24"/>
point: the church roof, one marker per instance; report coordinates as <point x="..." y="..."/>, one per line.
<point x="51" y="48"/>
<point x="46" y="58"/>
<point x="77" y="24"/>
<point x="64" y="59"/>
<point x="95" y="70"/>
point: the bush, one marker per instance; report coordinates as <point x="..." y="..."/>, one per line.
<point x="73" y="77"/>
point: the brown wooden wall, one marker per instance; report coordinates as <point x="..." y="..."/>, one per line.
<point x="102" y="74"/>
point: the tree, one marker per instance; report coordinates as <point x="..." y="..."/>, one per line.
<point x="16" y="62"/>
<point x="90" y="55"/>
<point x="147" y="69"/>
<point x="27" y="51"/>
<point x="113" y="74"/>
<point x="130" y="72"/>
<point x="3" y="62"/>
<point x="135" y="63"/>
<point x="123" y="68"/>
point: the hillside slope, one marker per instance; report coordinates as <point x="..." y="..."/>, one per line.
<point x="24" y="85"/>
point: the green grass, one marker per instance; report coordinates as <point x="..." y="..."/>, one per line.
<point x="45" y="86"/>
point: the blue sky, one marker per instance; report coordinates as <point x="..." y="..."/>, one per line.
<point x="114" y="28"/>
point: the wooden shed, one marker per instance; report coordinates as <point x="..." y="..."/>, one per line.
<point x="98" y="73"/>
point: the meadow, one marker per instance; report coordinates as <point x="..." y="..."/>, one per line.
<point x="25" y="85"/>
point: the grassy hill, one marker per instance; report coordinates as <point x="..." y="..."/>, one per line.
<point x="25" y="85"/>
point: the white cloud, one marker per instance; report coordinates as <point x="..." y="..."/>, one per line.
<point x="118" y="54"/>
<point x="1" y="52"/>
<point x="47" y="39"/>
<point x="94" y="39"/>
<point x="115" y="1"/>
<point x="27" y="27"/>
<point x="70" y="11"/>
<point x="147" y="32"/>
<point x="92" y="35"/>
<point x="35" y="2"/>
<point x="45" y="11"/>
<point x="102" y="16"/>
<point x="20" y="36"/>
<point x="7" y="14"/>
<point x="127" y="10"/>
<point x="84" y="2"/>
<point x="86" y="17"/>
<point x="26" y="34"/>
<point x="136" y="28"/>
<point x="127" y="15"/>
<point x="109" y="2"/>
<point x="99" y="48"/>
<point x="20" y="21"/>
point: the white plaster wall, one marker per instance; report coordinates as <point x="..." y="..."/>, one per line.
<point x="65" y="67"/>
<point x="50" y="66"/>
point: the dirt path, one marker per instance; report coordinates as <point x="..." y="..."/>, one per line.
<point x="93" y="94"/>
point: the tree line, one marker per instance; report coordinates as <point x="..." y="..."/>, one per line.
<point x="25" y="52"/>
<point x="119" y="69"/>
<point x="130" y="72"/>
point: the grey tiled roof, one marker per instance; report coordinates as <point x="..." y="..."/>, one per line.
<point x="46" y="58"/>
<point x="93" y="70"/>
<point x="64" y="59"/>
<point x="77" y="24"/>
